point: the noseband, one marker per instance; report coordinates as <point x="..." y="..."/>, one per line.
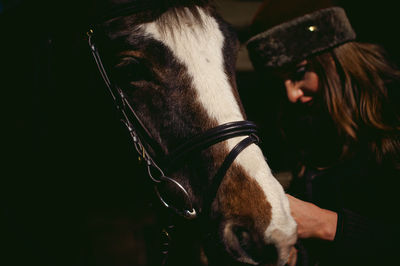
<point x="140" y="135"/>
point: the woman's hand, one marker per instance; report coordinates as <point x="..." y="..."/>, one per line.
<point x="312" y="221"/>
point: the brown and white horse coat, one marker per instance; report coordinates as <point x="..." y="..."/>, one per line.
<point x="178" y="70"/>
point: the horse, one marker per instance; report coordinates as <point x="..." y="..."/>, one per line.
<point x="170" y="68"/>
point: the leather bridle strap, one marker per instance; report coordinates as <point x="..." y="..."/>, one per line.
<point x="128" y="114"/>
<point x="219" y="176"/>
<point x="209" y="138"/>
<point x="231" y="157"/>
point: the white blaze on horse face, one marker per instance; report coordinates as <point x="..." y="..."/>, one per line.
<point x="200" y="49"/>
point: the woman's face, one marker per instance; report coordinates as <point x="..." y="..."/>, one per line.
<point x="307" y="122"/>
<point x="302" y="84"/>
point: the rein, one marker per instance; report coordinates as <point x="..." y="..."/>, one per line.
<point x="140" y="135"/>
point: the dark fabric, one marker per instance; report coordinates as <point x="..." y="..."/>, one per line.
<point x="365" y="197"/>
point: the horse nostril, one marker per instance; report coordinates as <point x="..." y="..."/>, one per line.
<point x="251" y="247"/>
<point x="243" y="237"/>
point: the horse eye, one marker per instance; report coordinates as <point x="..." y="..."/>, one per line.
<point x="130" y="69"/>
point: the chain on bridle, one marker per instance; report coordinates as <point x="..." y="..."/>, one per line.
<point x="141" y="135"/>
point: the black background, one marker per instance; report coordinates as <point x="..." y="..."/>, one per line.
<point x="67" y="160"/>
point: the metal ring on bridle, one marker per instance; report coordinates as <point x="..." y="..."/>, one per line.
<point x="189" y="213"/>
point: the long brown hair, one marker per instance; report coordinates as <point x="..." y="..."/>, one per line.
<point x="355" y="79"/>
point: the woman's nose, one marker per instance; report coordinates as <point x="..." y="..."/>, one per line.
<point x="293" y="91"/>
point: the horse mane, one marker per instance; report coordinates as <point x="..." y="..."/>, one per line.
<point x="180" y="9"/>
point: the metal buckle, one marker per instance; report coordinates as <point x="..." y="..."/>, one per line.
<point x="189" y="213"/>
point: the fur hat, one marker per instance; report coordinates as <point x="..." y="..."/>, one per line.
<point x="299" y="38"/>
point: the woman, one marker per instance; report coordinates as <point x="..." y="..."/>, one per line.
<point x="343" y="121"/>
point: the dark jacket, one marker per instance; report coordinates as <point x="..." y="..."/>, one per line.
<point x="364" y="194"/>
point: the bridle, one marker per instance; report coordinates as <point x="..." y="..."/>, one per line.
<point x="158" y="167"/>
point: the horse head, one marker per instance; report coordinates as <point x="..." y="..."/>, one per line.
<point x="173" y="64"/>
